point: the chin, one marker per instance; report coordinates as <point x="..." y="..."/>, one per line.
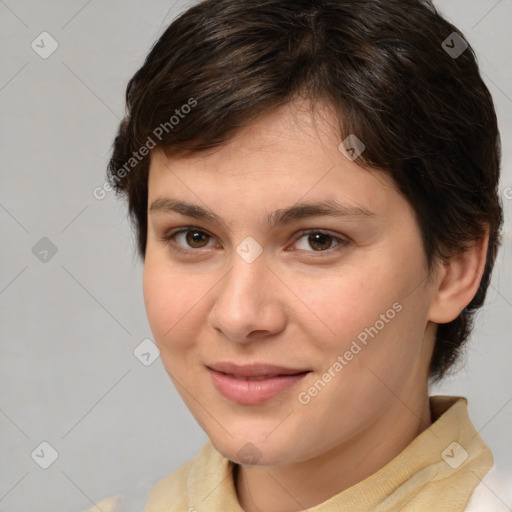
<point x="250" y="450"/>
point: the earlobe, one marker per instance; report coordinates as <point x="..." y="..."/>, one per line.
<point x="458" y="281"/>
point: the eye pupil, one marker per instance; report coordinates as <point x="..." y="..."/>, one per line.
<point x="194" y="237"/>
<point x="320" y="238"/>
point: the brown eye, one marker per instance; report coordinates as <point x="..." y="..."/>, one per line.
<point x="187" y="240"/>
<point x="196" y="239"/>
<point x="320" y="241"/>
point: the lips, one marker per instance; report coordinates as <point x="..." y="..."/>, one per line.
<point x="260" y="377"/>
<point x="255" y="383"/>
<point x="255" y="370"/>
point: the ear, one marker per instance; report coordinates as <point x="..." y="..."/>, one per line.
<point x="458" y="280"/>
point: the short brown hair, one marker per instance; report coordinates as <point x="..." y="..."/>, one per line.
<point x="423" y="113"/>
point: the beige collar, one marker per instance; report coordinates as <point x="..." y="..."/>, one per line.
<point x="436" y="472"/>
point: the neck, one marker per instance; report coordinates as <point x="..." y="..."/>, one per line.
<point x="283" y="489"/>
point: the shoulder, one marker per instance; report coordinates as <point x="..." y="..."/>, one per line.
<point x="493" y="493"/>
<point x="189" y="481"/>
<point x="173" y="486"/>
<point x="178" y="488"/>
<point x="134" y="499"/>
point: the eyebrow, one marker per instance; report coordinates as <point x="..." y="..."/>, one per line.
<point x="330" y="208"/>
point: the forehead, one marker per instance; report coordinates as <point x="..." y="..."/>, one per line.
<point x="286" y="155"/>
<point x="297" y="128"/>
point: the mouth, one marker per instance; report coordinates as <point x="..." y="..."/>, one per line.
<point x="240" y="377"/>
<point x="253" y="384"/>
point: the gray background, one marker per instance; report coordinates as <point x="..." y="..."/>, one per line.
<point x="70" y="324"/>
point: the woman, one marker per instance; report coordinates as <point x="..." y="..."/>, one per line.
<point x="314" y="190"/>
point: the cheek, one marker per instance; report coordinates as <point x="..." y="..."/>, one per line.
<point x="172" y="301"/>
<point x="377" y="304"/>
<point x="346" y="303"/>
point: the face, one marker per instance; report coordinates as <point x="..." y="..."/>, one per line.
<point x="284" y="325"/>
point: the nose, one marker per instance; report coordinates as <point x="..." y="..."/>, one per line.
<point x="248" y="305"/>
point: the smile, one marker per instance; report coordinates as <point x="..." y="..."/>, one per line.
<point x="253" y="384"/>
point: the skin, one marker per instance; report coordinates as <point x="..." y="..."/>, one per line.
<point x="297" y="306"/>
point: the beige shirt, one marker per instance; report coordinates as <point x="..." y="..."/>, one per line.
<point x="438" y="471"/>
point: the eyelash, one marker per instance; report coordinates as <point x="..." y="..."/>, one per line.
<point x="169" y="238"/>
